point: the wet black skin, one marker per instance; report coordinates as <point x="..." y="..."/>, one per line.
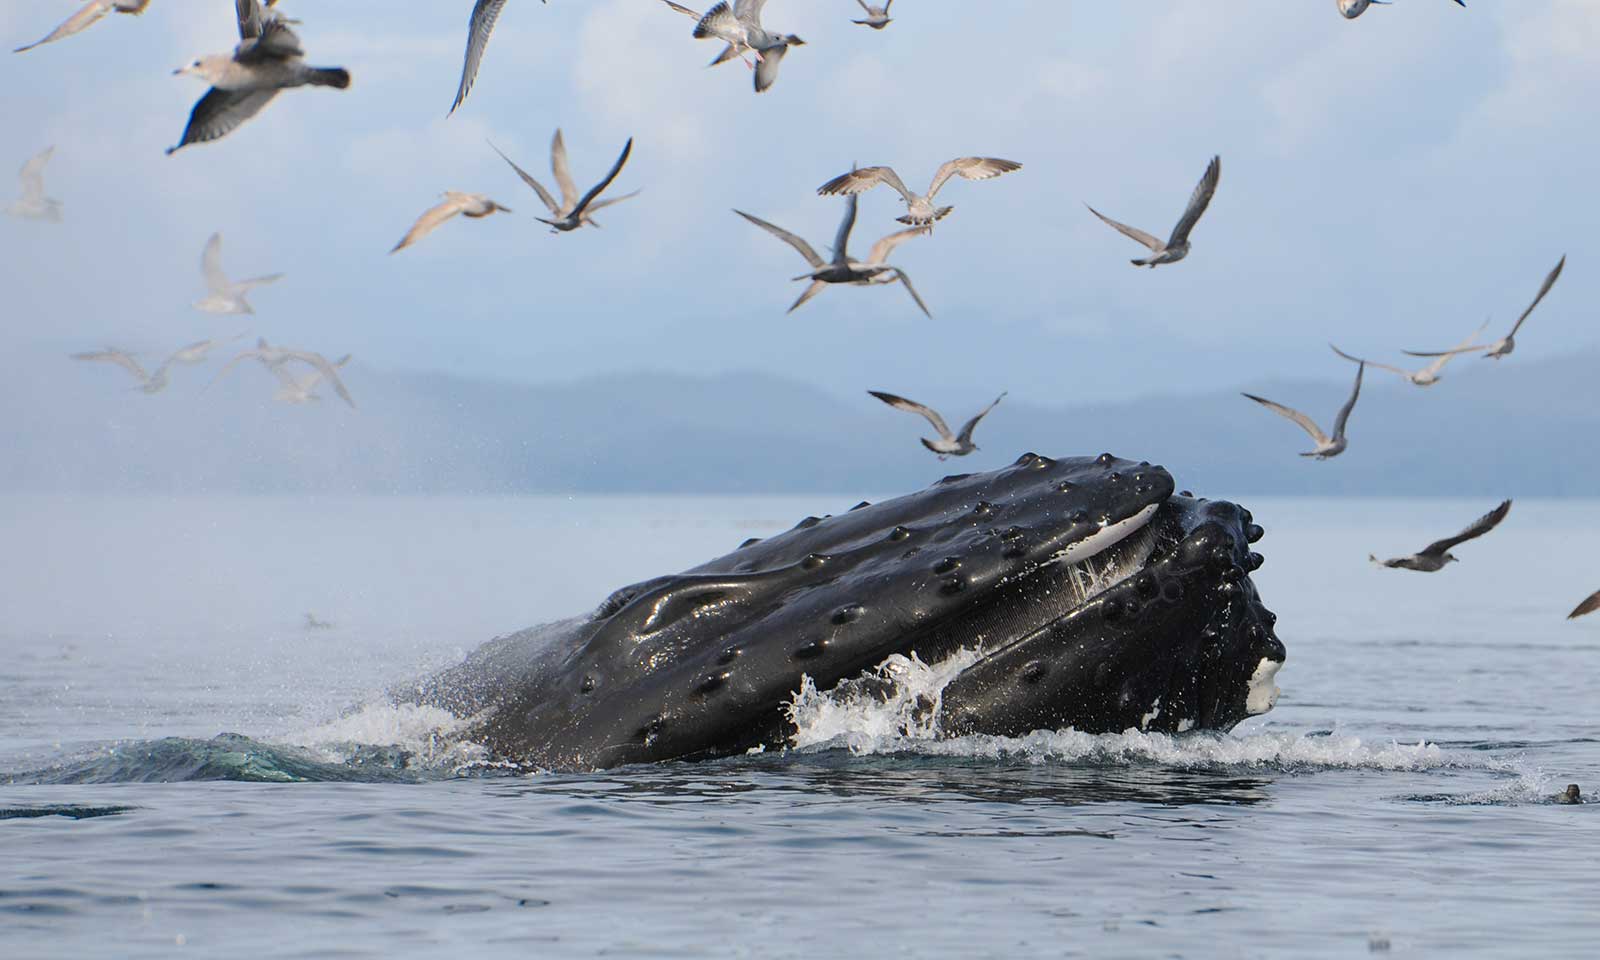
<point x="704" y="662"/>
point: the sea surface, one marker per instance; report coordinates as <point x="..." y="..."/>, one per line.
<point x="186" y="768"/>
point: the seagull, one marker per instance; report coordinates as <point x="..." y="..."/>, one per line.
<point x="843" y="269"/>
<point x="222" y="294"/>
<point x="148" y="382"/>
<point x="273" y="357"/>
<point x="1590" y="604"/>
<point x="877" y="17"/>
<point x="948" y="444"/>
<point x="33" y="204"/>
<point x="569" y="190"/>
<point x="741" y="29"/>
<point x="1427" y="376"/>
<point x="919" y="209"/>
<point x="1435" y="555"/>
<point x="302" y="389"/>
<point x="312" y="623"/>
<point x="1177" y="245"/>
<point x="484" y="15"/>
<point x="1326" y="446"/>
<point x="474" y="205"/>
<point x="267" y="59"/>
<point x="721" y="23"/>
<point x="87" y="16"/>
<point x="196" y="352"/>
<point x="1504" y="346"/>
<point x="577" y="215"/>
<point x="1355" y="8"/>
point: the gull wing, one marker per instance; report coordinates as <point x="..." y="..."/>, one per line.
<point x="595" y="191"/>
<point x="766" y="71"/>
<point x="1549" y="282"/>
<point x="326" y="369"/>
<point x="563" y="173"/>
<point x="1349" y="405"/>
<point x="1132" y="233"/>
<point x="905" y="280"/>
<point x="683" y="10"/>
<point x="1444" y="353"/>
<point x="211" y="266"/>
<point x="971" y="168"/>
<point x="527" y="178"/>
<point x="484" y="15"/>
<point x="431" y="219"/>
<point x="860" y="181"/>
<point x="219" y="112"/>
<point x="881" y="250"/>
<point x="749" y="11"/>
<point x="1439" y="362"/>
<point x="241" y="286"/>
<point x="720" y="21"/>
<point x="1370" y="363"/>
<point x="965" y="436"/>
<point x="118" y="357"/>
<point x="841" y="238"/>
<point x="1304" y="421"/>
<point x="1479" y="527"/>
<point x="602" y="204"/>
<point x="259" y="352"/>
<point x="32" y="174"/>
<point x="817" y="263"/>
<point x="816" y="287"/>
<point x="250" y="18"/>
<point x="1198" y="201"/>
<point x="1590" y="604"/>
<point x="911" y="406"/>
<point x="87" y="16"/>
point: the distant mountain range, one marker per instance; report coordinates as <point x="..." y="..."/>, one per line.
<point x="1489" y="429"/>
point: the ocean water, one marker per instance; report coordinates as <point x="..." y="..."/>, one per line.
<point x="185" y="767"/>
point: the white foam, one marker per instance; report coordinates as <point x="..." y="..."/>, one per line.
<point x="433" y="736"/>
<point x="900" y="699"/>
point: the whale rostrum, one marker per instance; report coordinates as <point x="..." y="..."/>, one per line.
<point x="1093" y="596"/>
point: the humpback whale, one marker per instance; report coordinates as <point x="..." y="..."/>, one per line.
<point x="1081" y="592"/>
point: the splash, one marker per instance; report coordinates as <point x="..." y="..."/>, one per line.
<point x="429" y="739"/>
<point x="897" y="701"/>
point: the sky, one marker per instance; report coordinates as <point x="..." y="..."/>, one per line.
<point x="1387" y="183"/>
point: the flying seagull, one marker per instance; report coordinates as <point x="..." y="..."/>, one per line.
<point x="313" y="623"/>
<point x="1504" y="346"/>
<point x="268" y="59"/>
<point x="1435" y="555"/>
<point x="1590" y="604"/>
<point x="1326" y="446"/>
<point x="484" y="15"/>
<point x="87" y="16"/>
<point x="1176" y="246"/>
<point x="720" y="23"/>
<point x="1427" y="376"/>
<point x="740" y="28"/>
<point x="301" y="389"/>
<point x="843" y="269"/>
<point x="196" y="352"/>
<point x="877" y="17"/>
<point x="569" y="190"/>
<point x="576" y="216"/>
<point x="949" y="444"/>
<point x="224" y="295"/>
<point x="148" y="382"/>
<point x="274" y="357"/>
<point x="1355" y="8"/>
<point x="33" y="204"/>
<point x="919" y="209"/>
<point x="474" y="205"/>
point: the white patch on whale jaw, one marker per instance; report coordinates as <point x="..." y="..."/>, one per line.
<point x="1263" y="692"/>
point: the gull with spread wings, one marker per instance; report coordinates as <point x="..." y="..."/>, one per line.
<point x="301" y="389"/>
<point x="1176" y="247"/>
<point x="1355" y="8"/>
<point x="877" y="17"/>
<point x="919" y="209"/>
<point x="87" y="16"/>
<point x="1503" y="346"/>
<point x="1427" y="376"/>
<point x="1435" y="555"/>
<point x="740" y="28"/>
<point x="275" y="357"/>
<point x="484" y="15"/>
<point x="949" y="444"/>
<point x="570" y="202"/>
<point x="473" y="205"/>
<point x="1326" y="446"/>
<point x="268" y="59"/>
<point x="842" y="269"/>
<point x="224" y="295"/>
<point x="720" y="23"/>
<point x="33" y="204"/>
<point x="148" y="382"/>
